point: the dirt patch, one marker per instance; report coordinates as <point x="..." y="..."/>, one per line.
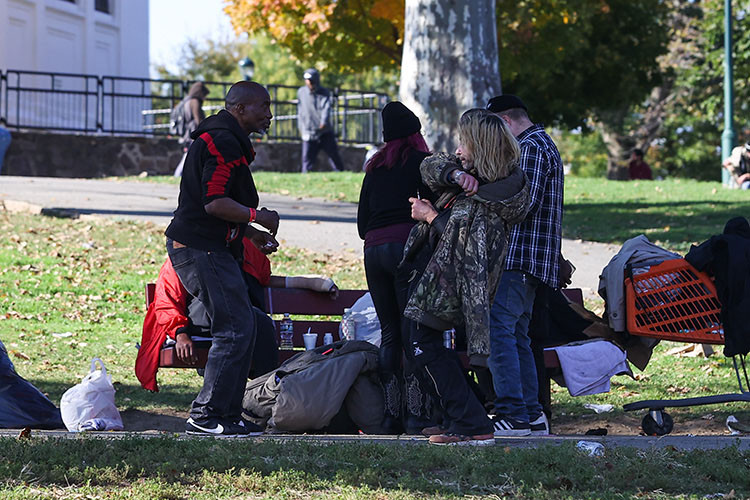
<point x="143" y="421"/>
<point x="628" y="424"/>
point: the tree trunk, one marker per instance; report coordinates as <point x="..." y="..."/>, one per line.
<point x="449" y="63"/>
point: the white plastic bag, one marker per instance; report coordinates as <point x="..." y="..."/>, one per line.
<point x="367" y="325"/>
<point x="90" y="405"/>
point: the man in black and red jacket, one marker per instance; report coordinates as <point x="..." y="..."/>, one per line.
<point x="218" y="202"/>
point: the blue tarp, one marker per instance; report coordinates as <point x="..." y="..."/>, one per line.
<point x="22" y="404"/>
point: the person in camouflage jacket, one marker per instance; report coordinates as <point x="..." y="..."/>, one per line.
<point x="464" y="264"/>
<point x="452" y="261"/>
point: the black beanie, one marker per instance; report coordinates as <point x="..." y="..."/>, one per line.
<point x="504" y="102"/>
<point x="399" y="121"/>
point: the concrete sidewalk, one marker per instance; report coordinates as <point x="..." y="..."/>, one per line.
<point x="683" y="442"/>
<point x="313" y="223"/>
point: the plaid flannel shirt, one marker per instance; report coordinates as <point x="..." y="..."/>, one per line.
<point x="534" y="244"/>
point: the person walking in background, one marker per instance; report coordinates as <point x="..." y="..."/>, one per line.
<point x="4" y="145"/>
<point x="216" y="205"/>
<point x="533" y="257"/>
<point x="314" y="105"/>
<point x="384" y="221"/>
<point x="451" y="263"/>
<point x="738" y="165"/>
<point x="637" y="168"/>
<point x="188" y="115"/>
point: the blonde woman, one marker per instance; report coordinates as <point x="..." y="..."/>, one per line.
<point x="450" y="262"/>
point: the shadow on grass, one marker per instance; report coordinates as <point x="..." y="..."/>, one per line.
<point x="679" y="223"/>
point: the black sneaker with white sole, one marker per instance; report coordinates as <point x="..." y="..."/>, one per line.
<point x="506" y="426"/>
<point x="249" y="428"/>
<point x="214" y="427"/>
<point x="540" y="426"/>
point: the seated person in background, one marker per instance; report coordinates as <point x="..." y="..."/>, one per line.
<point x="637" y="168"/>
<point x="257" y="273"/>
<point x="175" y="315"/>
<point x="738" y="165"/>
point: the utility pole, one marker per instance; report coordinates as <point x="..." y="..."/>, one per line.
<point x="728" y="137"/>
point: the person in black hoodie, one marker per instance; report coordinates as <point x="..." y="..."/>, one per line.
<point x="384" y="221"/>
<point x="217" y="203"/>
<point x="726" y="257"/>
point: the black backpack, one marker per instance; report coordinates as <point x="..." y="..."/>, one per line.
<point x="177" y="119"/>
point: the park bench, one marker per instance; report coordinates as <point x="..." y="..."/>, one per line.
<point x="298" y="302"/>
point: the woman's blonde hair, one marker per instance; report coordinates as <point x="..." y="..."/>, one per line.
<point x="490" y="143"/>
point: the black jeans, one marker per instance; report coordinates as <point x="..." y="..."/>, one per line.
<point x="389" y="299"/>
<point x="445" y="378"/>
<point x="326" y="142"/>
<point x="266" y="351"/>
<point x="215" y="278"/>
<point x="406" y="398"/>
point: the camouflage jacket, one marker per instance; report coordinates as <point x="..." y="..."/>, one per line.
<point x="468" y="244"/>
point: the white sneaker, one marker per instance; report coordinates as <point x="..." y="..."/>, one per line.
<point x="540" y="426"/>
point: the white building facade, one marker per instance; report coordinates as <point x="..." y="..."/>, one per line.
<point x="74" y="65"/>
<point x="94" y="37"/>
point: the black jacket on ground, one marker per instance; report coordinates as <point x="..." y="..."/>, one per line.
<point x="384" y="198"/>
<point x="217" y="166"/>
<point x="727" y="257"/>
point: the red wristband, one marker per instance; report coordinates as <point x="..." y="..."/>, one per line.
<point x="253" y="213"/>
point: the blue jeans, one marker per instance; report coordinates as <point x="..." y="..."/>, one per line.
<point x="511" y="361"/>
<point x="215" y="278"/>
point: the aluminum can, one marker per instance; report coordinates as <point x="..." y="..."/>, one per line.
<point x="449" y="338"/>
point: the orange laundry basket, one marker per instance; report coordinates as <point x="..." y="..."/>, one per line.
<point x="674" y="301"/>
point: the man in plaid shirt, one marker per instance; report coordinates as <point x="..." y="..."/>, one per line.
<point x="533" y="258"/>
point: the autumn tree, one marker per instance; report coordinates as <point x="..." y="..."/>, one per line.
<point x="447" y="49"/>
<point x="569" y="59"/>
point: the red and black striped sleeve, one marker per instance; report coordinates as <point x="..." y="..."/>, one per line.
<point x="224" y="157"/>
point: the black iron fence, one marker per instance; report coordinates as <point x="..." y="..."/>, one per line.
<point x="141" y="106"/>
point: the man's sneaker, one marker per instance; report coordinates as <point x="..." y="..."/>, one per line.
<point x="506" y="426"/>
<point x="461" y="440"/>
<point x="248" y="428"/>
<point x="540" y="426"/>
<point x="215" y="427"/>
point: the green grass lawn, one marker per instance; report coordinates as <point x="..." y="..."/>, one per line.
<point x="84" y="279"/>
<point x="166" y="468"/>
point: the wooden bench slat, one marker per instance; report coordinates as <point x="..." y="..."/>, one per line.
<point x="301" y="301"/>
<point x="308" y="302"/>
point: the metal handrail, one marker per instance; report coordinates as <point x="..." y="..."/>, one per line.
<point x="91" y="104"/>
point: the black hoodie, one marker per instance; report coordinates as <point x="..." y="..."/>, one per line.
<point x="726" y="256"/>
<point x="217" y="166"/>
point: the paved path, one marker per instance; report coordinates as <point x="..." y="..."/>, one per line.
<point x="681" y="442"/>
<point x="313" y="223"/>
